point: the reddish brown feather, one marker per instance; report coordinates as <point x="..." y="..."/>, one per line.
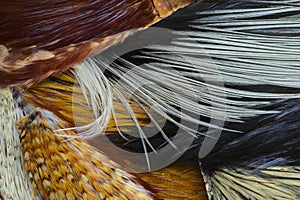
<point x="39" y="38"/>
<point x="50" y="25"/>
<point x="181" y="180"/>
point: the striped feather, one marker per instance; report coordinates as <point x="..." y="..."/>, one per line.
<point x="14" y="183"/>
<point x="263" y="162"/>
<point x="281" y="182"/>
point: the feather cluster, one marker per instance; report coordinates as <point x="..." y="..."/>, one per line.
<point x="215" y="85"/>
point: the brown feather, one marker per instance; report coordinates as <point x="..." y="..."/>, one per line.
<point x="72" y="169"/>
<point x="181" y="180"/>
<point x="39" y="38"/>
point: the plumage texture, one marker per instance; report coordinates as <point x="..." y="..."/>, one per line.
<point x="71" y="169"/>
<point x="226" y="67"/>
<point x="59" y="34"/>
<point x="14" y="182"/>
<point x="280" y="182"/>
<point x="263" y="162"/>
<point x="181" y="180"/>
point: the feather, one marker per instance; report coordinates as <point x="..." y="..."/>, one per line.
<point x="181" y="180"/>
<point x="280" y="182"/>
<point x="195" y="72"/>
<point x="58" y="34"/>
<point x="263" y="162"/>
<point x="11" y="186"/>
<point x="71" y="169"/>
<point x="216" y="73"/>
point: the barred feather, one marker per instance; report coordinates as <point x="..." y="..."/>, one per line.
<point x="71" y="169"/>
<point x="14" y="183"/>
<point x="282" y="182"/>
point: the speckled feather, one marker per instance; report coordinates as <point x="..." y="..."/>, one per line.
<point x="72" y="169"/>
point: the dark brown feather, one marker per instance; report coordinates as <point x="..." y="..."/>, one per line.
<point x="39" y="38"/>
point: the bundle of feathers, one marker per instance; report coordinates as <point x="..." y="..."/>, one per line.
<point x="142" y="99"/>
